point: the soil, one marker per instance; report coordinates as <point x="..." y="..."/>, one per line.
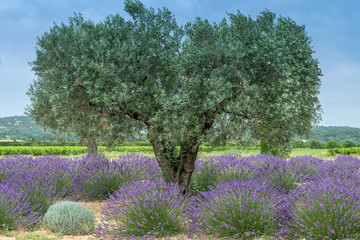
<point x="46" y="234"/>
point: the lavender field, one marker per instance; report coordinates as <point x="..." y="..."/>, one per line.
<point x="232" y="197"/>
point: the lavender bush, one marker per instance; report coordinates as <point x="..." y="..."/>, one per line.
<point x="309" y="166"/>
<point x="7" y="168"/>
<point x="238" y="209"/>
<point x="145" y="209"/>
<point x="344" y="168"/>
<point x="239" y="169"/>
<point x="283" y="174"/>
<point x="44" y="180"/>
<point x="99" y="177"/>
<point x="16" y="211"/>
<point x="325" y="209"/>
<point x="216" y="169"/>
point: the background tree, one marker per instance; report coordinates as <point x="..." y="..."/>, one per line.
<point x="300" y="144"/>
<point x="349" y="144"/>
<point x="314" y="144"/>
<point x="332" y="144"/>
<point x="243" y="78"/>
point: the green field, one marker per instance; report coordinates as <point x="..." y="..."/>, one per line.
<point x="77" y="151"/>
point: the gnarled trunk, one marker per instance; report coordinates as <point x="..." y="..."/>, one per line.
<point x="92" y="146"/>
<point x="178" y="169"/>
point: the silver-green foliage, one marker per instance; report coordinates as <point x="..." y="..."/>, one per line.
<point x="70" y="218"/>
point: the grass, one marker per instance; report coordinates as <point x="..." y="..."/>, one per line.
<point x="318" y="153"/>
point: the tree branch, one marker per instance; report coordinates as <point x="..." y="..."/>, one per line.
<point x="237" y="114"/>
<point x="218" y="109"/>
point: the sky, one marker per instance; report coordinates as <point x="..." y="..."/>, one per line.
<point x="333" y="25"/>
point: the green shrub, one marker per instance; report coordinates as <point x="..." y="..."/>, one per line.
<point x="70" y="218"/>
<point x="332" y="144"/>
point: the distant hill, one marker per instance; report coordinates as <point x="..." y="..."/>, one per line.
<point x="340" y="134"/>
<point x="23" y="128"/>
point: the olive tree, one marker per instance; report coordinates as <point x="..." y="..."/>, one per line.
<point x="241" y="79"/>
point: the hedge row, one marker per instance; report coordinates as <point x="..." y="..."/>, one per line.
<point x="344" y="151"/>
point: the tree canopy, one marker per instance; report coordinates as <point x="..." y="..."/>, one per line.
<point x="242" y="79"/>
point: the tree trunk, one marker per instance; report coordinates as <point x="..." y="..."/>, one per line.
<point x="92" y="146"/>
<point x="178" y="169"/>
<point x="183" y="173"/>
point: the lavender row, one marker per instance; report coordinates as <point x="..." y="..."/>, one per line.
<point x="243" y="198"/>
<point x="304" y="197"/>
<point x="232" y="196"/>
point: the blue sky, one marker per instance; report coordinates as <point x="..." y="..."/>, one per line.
<point x="333" y="25"/>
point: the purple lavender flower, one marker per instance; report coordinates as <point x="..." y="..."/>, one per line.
<point x="145" y="209"/>
<point x="43" y="180"/>
<point x="16" y="210"/>
<point x="237" y="209"/>
<point x="324" y="209"/>
<point x="97" y="177"/>
<point x="343" y="168"/>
